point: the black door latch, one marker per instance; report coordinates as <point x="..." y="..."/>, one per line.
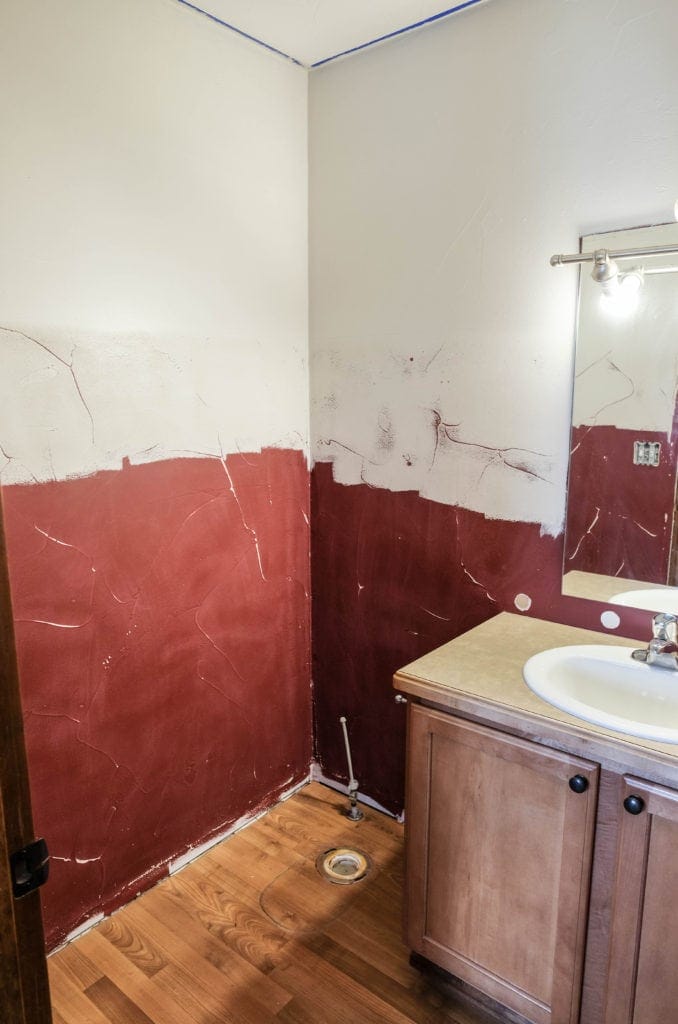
<point x="29" y="867"/>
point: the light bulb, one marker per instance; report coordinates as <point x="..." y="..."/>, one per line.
<point x="632" y="281"/>
<point x="622" y="300"/>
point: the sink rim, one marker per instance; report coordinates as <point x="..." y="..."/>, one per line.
<point x="649" y="599"/>
<point x="538" y="674"/>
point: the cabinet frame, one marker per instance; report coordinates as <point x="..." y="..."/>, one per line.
<point x="631" y="908"/>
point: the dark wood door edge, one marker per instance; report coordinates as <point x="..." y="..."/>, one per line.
<point x="24" y="988"/>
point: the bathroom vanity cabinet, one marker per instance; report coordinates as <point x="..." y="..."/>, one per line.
<point x="542" y="853"/>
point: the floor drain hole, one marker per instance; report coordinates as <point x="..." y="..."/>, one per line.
<point x="343" y="865"/>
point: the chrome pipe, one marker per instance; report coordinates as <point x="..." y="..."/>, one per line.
<point x="615" y="254"/>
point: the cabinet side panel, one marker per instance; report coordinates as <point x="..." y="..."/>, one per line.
<point x="416" y="825"/>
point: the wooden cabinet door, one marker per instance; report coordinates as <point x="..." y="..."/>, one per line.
<point x="499" y="852"/>
<point x="24" y="991"/>
<point x="643" y="966"/>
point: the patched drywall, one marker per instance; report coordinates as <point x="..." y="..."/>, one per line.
<point x="153" y="271"/>
<point x="153" y="432"/>
<point x="441" y="337"/>
<point x="446" y="169"/>
<point x="96" y="399"/>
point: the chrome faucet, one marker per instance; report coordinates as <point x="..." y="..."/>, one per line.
<point x="662" y="649"/>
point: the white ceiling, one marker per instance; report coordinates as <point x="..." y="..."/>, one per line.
<point x="314" y="31"/>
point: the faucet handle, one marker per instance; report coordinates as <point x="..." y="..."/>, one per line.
<point x="665" y="627"/>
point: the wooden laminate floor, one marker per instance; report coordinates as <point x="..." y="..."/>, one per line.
<point x="250" y="933"/>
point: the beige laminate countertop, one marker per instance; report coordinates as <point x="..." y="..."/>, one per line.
<point x="480" y="676"/>
<point x="595" y="587"/>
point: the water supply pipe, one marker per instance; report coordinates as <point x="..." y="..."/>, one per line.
<point x="354" y="812"/>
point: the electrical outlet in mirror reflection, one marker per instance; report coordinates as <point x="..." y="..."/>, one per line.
<point x="646" y="453"/>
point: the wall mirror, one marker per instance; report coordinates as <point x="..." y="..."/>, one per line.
<point x="621" y="538"/>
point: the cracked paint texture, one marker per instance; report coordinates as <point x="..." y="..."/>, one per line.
<point x="162" y="623"/>
<point x="98" y="401"/>
<point x="620" y="516"/>
<point x="153" y="431"/>
<point x="442" y="339"/>
<point x="445" y="332"/>
<point x="429" y="432"/>
<point x="394" y="576"/>
<point x="154" y="294"/>
<point x="153" y="272"/>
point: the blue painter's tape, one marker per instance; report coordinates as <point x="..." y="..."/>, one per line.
<point x="240" y="32"/>
<point x="398" y="31"/>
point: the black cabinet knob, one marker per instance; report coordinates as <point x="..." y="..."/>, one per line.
<point x="634" y="804"/>
<point x="578" y="784"/>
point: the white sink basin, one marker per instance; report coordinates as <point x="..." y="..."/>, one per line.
<point x="605" y="686"/>
<point x="661" y="599"/>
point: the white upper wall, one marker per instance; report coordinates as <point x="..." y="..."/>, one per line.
<point x="447" y="166"/>
<point x="153" y="238"/>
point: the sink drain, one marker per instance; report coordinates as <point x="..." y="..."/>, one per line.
<point x="343" y="865"/>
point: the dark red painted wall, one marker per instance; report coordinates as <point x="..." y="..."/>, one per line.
<point x="616" y="515"/>
<point x="395" y="575"/>
<point x="164" y="662"/>
<point x="163" y="639"/>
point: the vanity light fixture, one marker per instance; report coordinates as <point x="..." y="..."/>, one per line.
<point x="620" y="288"/>
<point x="605" y="260"/>
<point x="605" y="271"/>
